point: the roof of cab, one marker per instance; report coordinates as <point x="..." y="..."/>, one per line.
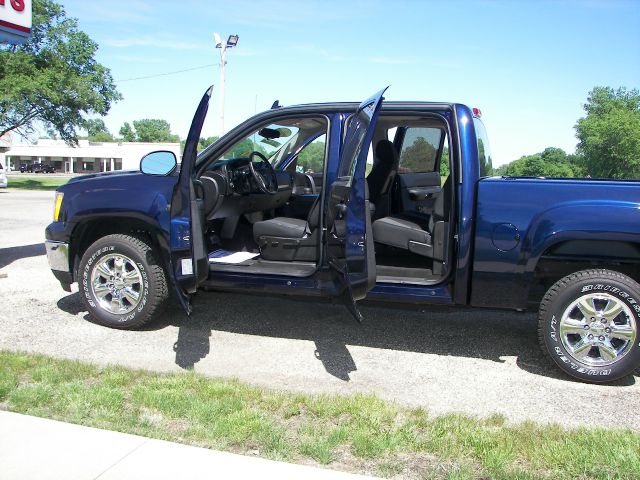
<point x="333" y="106"/>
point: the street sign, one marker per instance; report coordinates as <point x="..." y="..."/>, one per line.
<point x="15" y="21"/>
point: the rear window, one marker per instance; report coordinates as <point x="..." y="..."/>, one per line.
<point x="420" y="149"/>
<point x="484" y="152"/>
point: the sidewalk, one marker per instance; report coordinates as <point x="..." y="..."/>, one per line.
<point x="37" y="448"/>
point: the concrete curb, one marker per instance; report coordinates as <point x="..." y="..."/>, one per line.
<point x="37" y="448"/>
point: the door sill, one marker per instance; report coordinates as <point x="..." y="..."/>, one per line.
<point x="260" y="266"/>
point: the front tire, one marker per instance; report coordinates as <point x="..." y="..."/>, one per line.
<point x="588" y="325"/>
<point x="121" y="282"/>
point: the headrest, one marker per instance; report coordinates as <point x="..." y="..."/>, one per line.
<point x="386" y="152"/>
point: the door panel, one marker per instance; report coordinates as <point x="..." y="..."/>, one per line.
<point x="305" y="192"/>
<point x="418" y="183"/>
<point x="418" y="193"/>
<point x="189" y="262"/>
<point x="347" y="220"/>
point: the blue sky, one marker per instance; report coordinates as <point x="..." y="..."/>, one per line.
<point x="527" y="65"/>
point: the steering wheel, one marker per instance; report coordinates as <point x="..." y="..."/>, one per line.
<point x="270" y="187"/>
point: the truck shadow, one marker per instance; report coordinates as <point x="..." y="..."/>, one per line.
<point x="493" y="335"/>
<point x="486" y="334"/>
<point x="11" y="254"/>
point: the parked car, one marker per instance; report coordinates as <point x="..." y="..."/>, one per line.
<point x="25" y="168"/>
<point x="427" y="225"/>
<point x="42" y="168"/>
<point x="3" y="177"/>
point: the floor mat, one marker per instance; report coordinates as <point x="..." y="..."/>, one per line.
<point x="232" y="258"/>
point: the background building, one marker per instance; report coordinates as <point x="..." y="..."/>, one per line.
<point x="87" y="157"/>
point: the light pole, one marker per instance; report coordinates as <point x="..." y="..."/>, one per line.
<point x="231" y="42"/>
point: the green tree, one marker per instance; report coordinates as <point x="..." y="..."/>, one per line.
<point x="101" y="137"/>
<point x="93" y="126"/>
<point x="150" y="130"/>
<point x="609" y="134"/>
<point x="551" y="163"/>
<point x="154" y="130"/>
<point x="418" y="157"/>
<point x="54" y="79"/>
<point x="205" y="142"/>
<point x="241" y="149"/>
<point x="444" y="163"/>
<point x="97" y="131"/>
<point x="127" y="133"/>
<point x="311" y="158"/>
<point x="244" y="148"/>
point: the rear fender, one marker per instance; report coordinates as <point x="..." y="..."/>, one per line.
<point x="586" y="220"/>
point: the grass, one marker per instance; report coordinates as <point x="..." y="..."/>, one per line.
<point x="30" y="183"/>
<point x="358" y="433"/>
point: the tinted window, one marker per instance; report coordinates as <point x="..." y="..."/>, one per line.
<point x="484" y="153"/>
<point x="354" y="140"/>
<point x="420" y="148"/>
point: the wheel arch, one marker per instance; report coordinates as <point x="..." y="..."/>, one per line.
<point x="568" y="256"/>
<point x="86" y="232"/>
<point x="578" y="236"/>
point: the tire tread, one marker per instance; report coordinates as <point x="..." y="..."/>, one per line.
<point x="157" y="297"/>
<point x="563" y="283"/>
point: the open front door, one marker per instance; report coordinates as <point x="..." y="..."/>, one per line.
<point x="351" y="254"/>
<point x="189" y="262"/>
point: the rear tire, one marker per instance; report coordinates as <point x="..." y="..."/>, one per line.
<point x="121" y="282"/>
<point x="588" y="325"/>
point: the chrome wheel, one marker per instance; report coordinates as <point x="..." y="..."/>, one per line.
<point x="598" y="329"/>
<point x="116" y="283"/>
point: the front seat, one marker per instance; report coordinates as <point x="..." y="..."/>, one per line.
<point x="289" y="239"/>
<point x="381" y="176"/>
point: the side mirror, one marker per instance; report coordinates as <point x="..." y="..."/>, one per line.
<point x="159" y="163"/>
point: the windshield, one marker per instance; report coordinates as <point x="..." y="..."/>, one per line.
<point x="279" y="142"/>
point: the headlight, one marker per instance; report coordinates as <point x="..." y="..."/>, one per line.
<point x="56" y="206"/>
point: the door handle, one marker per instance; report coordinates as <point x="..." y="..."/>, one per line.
<point x="341" y="209"/>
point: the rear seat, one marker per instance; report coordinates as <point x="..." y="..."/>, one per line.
<point x="401" y="233"/>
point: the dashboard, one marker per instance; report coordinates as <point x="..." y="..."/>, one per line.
<point x="241" y="191"/>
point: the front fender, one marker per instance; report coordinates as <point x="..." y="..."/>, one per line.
<point x="131" y="204"/>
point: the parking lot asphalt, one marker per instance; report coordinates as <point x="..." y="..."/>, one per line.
<point x="477" y="362"/>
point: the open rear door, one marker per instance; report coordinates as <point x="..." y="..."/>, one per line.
<point x="189" y="262"/>
<point x="351" y="254"/>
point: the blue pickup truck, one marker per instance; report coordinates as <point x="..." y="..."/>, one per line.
<point x="383" y="201"/>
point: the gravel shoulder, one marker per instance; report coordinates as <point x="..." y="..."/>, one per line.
<point x="478" y="362"/>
